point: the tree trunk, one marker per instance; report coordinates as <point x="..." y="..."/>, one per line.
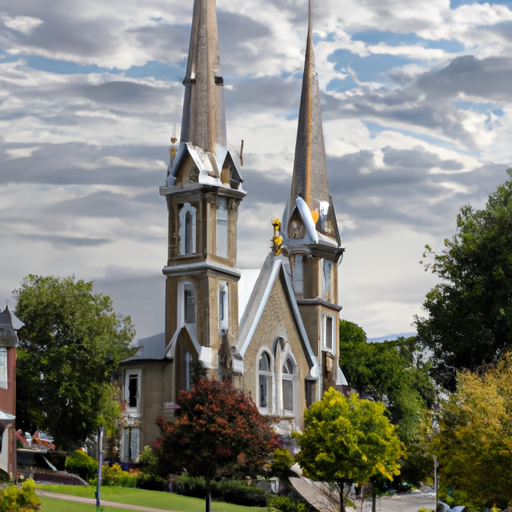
<point x="342" y="501"/>
<point x="374" y="499"/>
<point x="208" y="497"/>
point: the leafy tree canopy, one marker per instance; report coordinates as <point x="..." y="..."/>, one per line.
<point x="469" y="321"/>
<point x="347" y="440"/>
<point x="71" y="343"/>
<point x="393" y="372"/>
<point x="474" y="443"/>
<point x="218" y="430"/>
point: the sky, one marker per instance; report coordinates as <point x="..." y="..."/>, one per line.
<point x="417" y="110"/>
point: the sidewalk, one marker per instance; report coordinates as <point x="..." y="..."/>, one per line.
<point x="68" y="497"/>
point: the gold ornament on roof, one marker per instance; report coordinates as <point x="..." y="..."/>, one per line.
<point x="277" y="240"/>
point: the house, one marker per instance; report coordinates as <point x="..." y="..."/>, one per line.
<point x="284" y="349"/>
<point x="8" y="343"/>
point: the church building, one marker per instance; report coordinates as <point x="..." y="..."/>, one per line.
<point x="283" y="347"/>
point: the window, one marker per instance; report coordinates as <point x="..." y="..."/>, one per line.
<point x="328" y="333"/>
<point x="187" y="229"/>
<point x="189" y="305"/>
<point x="288" y="385"/>
<point x="298" y="274"/>
<point x="265" y="382"/>
<point x="3" y="368"/>
<point x="223" y="306"/>
<point x="310" y="392"/>
<point x="222" y="227"/>
<point x="132" y="384"/>
<point x="187" y="367"/>
<point x="327" y="280"/>
<point x="130" y="444"/>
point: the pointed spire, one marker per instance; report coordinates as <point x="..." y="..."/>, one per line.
<point x="204" y="122"/>
<point x="310" y="169"/>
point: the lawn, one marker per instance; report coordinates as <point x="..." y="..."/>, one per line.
<point x="154" y="499"/>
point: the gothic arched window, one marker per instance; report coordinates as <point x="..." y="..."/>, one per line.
<point x="288" y="385"/>
<point x="187" y="229"/>
<point x="265" y="382"/>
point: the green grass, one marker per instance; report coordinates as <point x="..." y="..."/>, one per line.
<point x="153" y="499"/>
<point x="55" y="505"/>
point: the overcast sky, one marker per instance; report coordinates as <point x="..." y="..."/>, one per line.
<point x="417" y="109"/>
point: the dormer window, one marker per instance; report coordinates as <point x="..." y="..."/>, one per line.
<point x="187" y="229"/>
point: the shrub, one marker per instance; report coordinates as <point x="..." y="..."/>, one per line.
<point x="15" y="499"/>
<point x="190" y="486"/>
<point x="286" y="504"/>
<point x="233" y="491"/>
<point x="116" y="477"/>
<point x="152" y="482"/>
<point x="82" y="465"/>
<point x="150" y="478"/>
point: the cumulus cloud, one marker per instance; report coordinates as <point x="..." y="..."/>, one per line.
<point x="417" y="121"/>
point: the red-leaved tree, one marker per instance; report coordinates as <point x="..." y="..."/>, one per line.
<point x="218" y="429"/>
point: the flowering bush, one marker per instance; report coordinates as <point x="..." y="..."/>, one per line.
<point x="15" y="499"/>
<point x="82" y="465"/>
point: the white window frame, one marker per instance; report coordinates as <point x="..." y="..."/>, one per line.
<point x="327" y="280"/>
<point x="182" y="288"/>
<point x="289" y="378"/>
<point x="187" y="231"/>
<point x="222" y="231"/>
<point x="223" y="306"/>
<point x="325" y="322"/>
<point x="4" y="370"/>
<point x="298" y="274"/>
<point x="270" y="379"/>
<point x="135" y="372"/>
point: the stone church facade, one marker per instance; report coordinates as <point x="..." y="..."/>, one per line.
<point x="284" y="350"/>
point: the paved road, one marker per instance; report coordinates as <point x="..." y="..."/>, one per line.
<point x="404" y="503"/>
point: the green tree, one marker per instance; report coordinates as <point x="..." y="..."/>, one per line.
<point x="469" y="322"/>
<point x="218" y="430"/>
<point x="347" y="440"/>
<point x="71" y="343"/>
<point x="474" y="442"/>
<point x="393" y="372"/>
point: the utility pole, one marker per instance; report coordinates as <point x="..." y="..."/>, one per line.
<point x="435" y="481"/>
<point x="99" y="441"/>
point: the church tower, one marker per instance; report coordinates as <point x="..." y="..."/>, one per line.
<point x="310" y="230"/>
<point x="203" y="193"/>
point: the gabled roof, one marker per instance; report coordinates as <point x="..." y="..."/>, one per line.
<point x="273" y="268"/>
<point x="150" y="349"/>
<point x="9" y="323"/>
<point x="209" y="167"/>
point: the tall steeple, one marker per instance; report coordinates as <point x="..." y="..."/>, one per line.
<point x="203" y="193"/>
<point x="310" y="201"/>
<point x="204" y="122"/>
<point x="310" y="171"/>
